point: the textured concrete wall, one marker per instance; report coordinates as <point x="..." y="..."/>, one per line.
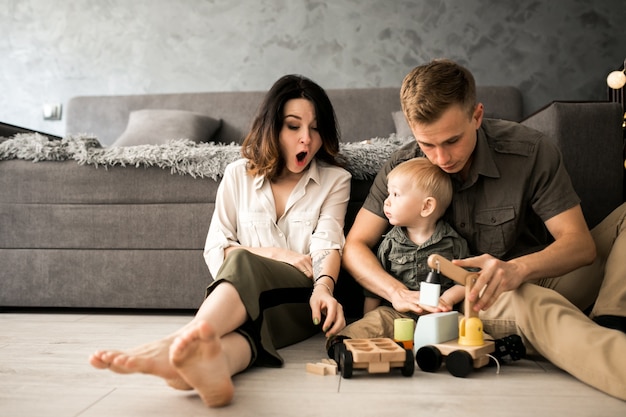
<point x="51" y="51"/>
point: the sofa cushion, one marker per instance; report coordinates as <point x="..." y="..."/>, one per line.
<point x="589" y="135"/>
<point x="402" y="127"/>
<point x="157" y="126"/>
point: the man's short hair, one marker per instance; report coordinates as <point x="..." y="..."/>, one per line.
<point x="430" y="89"/>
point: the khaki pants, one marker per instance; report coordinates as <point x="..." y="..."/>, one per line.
<point x="547" y="314"/>
<point x="376" y="323"/>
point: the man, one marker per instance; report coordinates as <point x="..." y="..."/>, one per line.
<point x="516" y="207"/>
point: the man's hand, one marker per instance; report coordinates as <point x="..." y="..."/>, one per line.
<point x="494" y="278"/>
<point x="404" y="300"/>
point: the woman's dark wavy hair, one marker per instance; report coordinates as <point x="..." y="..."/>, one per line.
<point x="261" y="146"/>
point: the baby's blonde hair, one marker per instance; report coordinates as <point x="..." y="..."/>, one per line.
<point x="427" y="177"/>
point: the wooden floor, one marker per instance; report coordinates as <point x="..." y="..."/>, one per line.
<point x="44" y="372"/>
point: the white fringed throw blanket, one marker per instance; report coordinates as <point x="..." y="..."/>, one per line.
<point x="181" y="156"/>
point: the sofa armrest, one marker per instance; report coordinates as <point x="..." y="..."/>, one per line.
<point x="590" y="137"/>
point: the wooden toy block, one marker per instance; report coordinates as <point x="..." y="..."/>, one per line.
<point x="314" y="368"/>
<point x="329" y="369"/>
<point x="321" y="368"/>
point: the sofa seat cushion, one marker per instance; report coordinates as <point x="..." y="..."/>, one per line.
<point x="181" y="226"/>
<point x="86" y="278"/>
<point x="66" y="182"/>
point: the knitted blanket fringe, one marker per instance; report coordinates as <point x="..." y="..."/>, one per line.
<point x="180" y="156"/>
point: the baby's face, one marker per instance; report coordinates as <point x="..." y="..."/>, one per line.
<point x="404" y="204"/>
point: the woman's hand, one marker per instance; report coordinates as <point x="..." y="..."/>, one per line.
<point x="323" y="303"/>
<point x="303" y="263"/>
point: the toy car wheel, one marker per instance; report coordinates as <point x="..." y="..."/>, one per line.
<point x="409" y="364"/>
<point x="339" y="349"/>
<point x="347" y="363"/>
<point x="459" y="363"/>
<point x="428" y="358"/>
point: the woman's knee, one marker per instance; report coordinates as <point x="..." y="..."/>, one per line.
<point x="238" y="256"/>
<point x="239" y="262"/>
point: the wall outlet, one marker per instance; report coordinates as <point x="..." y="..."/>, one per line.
<point x="52" y="111"/>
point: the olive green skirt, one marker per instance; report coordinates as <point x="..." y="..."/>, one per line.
<point x="276" y="297"/>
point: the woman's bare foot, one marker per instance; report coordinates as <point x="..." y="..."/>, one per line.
<point x="198" y="357"/>
<point x="151" y="358"/>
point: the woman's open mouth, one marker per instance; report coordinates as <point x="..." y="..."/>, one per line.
<point x="301" y="156"/>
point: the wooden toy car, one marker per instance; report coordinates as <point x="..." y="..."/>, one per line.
<point x="470" y="350"/>
<point x="375" y="355"/>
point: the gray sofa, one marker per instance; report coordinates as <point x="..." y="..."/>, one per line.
<point x="131" y="237"/>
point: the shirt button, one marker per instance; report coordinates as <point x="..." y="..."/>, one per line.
<point x="281" y="235"/>
<point x="462" y="224"/>
<point x="493" y="220"/>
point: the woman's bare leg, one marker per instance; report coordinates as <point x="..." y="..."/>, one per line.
<point x="222" y="308"/>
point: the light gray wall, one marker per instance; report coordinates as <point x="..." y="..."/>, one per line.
<point x="51" y="51"/>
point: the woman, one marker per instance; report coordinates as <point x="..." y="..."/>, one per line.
<point x="273" y="247"/>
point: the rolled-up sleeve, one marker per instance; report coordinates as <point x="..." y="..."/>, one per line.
<point x="223" y="228"/>
<point x="329" y="233"/>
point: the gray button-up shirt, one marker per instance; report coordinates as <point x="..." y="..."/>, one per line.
<point x="517" y="181"/>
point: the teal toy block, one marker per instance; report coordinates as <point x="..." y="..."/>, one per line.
<point x="436" y="328"/>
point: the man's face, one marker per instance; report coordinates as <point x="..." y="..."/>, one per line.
<point x="450" y="141"/>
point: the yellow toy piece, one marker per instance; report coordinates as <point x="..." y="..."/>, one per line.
<point x="403" y="331"/>
<point x="471" y="332"/>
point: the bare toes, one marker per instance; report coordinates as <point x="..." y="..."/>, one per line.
<point x="96" y="361"/>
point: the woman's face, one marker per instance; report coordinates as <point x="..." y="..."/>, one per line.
<point x="299" y="138"/>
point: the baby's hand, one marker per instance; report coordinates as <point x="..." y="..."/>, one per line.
<point x="444" y="305"/>
<point x="430" y="309"/>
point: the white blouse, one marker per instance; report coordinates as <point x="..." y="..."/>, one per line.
<point x="245" y="213"/>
